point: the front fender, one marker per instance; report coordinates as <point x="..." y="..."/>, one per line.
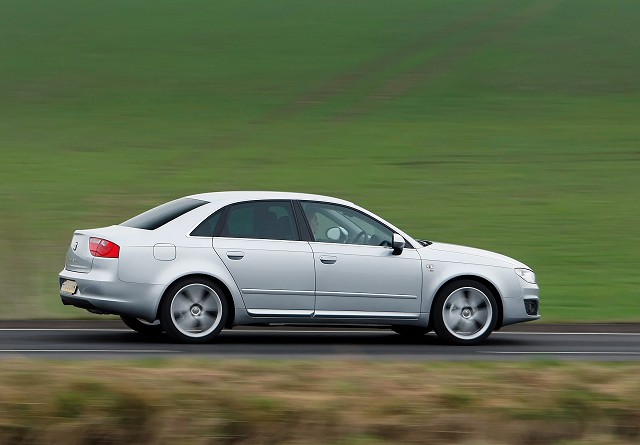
<point x="438" y="273"/>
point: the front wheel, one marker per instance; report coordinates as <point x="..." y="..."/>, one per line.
<point x="142" y="326"/>
<point x="194" y="310"/>
<point x="465" y="313"/>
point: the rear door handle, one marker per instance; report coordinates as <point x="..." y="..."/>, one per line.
<point x="235" y="255"/>
<point x="328" y="259"/>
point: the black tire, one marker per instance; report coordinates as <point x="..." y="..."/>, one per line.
<point x="410" y="331"/>
<point x="465" y="312"/>
<point x="194" y="310"/>
<point x="142" y="326"/>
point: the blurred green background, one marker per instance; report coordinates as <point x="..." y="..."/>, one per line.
<point x="506" y="125"/>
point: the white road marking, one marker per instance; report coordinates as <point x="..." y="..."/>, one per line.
<point x="119" y="351"/>
<point x="306" y="331"/>
<point x="277" y="331"/>
<point x="388" y="331"/>
<point x="66" y="329"/>
<point x="567" y="333"/>
<point x="561" y="352"/>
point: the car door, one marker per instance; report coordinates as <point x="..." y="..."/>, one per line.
<point x="357" y="273"/>
<point x="260" y="245"/>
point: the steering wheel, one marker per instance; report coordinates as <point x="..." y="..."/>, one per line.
<point x="362" y="234"/>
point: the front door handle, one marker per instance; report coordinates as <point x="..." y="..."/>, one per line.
<point x="328" y="259"/>
<point x="235" y="255"/>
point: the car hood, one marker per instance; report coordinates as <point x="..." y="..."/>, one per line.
<point x="464" y="254"/>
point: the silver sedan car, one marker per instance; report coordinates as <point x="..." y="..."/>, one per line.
<point x="201" y="263"/>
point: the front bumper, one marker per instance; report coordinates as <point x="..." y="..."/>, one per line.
<point x="517" y="309"/>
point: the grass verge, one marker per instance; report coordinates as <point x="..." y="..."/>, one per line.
<point x="337" y="402"/>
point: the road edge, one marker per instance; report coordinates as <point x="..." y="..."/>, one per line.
<point x="522" y="327"/>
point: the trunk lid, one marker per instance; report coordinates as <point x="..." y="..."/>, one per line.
<point x="79" y="258"/>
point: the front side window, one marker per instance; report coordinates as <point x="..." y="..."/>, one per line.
<point x="261" y="220"/>
<point x="331" y="223"/>
<point x="161" y="215"/>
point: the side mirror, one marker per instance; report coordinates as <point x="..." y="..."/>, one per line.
<point x="397" y="242"/>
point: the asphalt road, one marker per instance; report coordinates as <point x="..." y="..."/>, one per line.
<point x="111" y="339"/>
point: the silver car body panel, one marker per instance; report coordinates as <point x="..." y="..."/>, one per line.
<point x="274" y="281"/>
<point x="275" y="277"/>
<point x="366" y="281"/>
<point x="471" y="255"/>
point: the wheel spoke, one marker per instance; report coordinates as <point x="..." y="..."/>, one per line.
<point x="482" y="312"/>
<point x="457" y="297"/>
<point x="179" y="314"/>
<point x="453" y="321"/>
<point x="467" y="296"/>
<point x="456" y="301"/>
<point x="475" y="299"/>
<point x="208" y="319"/>
<point x="180" y="309"/>
<point x="203" y="295"/>
<point x="188" y="323"/>
<point x="210" y="304"/>
<point x="467" y="327"/>
<point x="187" y="295"/>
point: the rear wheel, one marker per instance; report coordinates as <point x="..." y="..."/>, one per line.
<point x="142" y="326"/>
<point x="465" y="313"/>
<point x="194" y="310"/>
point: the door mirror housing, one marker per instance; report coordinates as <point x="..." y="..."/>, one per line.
<point x="397" y="242"/>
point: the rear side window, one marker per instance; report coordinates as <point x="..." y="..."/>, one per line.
<point x="159" y="216"/>
<point x="208" y="226"/>
<point x="261" y="220"/>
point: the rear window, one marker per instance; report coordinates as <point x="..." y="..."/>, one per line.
<point x="159" y="216"/>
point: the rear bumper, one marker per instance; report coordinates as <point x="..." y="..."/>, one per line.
<point x="103" y="293"/>
<point x="82" y="303"/>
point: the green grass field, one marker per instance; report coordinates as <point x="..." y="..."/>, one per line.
<point x="506" y="125"/>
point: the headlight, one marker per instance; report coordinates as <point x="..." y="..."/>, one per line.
<point x="527" y="275"/>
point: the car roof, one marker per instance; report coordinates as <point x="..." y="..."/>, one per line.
<point x="232" y="196"/>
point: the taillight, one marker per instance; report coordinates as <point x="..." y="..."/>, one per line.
<point x="103" y="248"/>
